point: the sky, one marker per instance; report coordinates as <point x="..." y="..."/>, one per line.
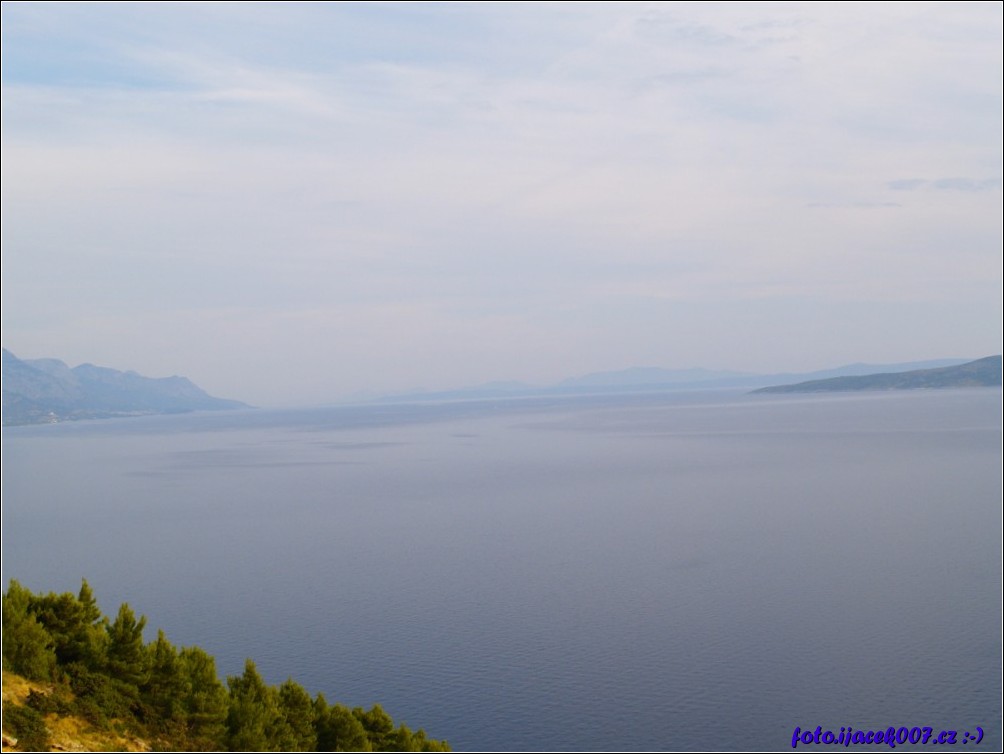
<point x="292" y="204"/>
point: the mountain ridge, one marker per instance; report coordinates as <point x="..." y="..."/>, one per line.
<point x="45" y="391"/>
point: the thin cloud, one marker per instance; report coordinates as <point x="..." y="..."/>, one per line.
<point x="946" y="184"/>
<point x="967" y="184"/>
<point x="392" y="171"/>
<point x="907" y="184"/>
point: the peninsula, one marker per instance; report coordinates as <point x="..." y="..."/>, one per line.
<point x="985" y="372"/>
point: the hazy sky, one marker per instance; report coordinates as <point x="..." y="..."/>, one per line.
<point x="291" y="203"/>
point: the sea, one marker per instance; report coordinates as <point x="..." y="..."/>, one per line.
<point x="681" y="571"/>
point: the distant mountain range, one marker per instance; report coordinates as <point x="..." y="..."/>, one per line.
<point x="984" y="372"/>
<point x="40" y="391"/>
<point x="656" y="379"/>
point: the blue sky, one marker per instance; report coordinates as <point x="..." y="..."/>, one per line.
<point x="292" y="203"/>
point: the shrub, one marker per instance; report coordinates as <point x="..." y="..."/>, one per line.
<point x="28" y="726"/>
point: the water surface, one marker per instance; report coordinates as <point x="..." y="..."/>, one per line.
<point x="648" y="572"/>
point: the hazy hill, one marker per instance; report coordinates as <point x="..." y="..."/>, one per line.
<point x="653" y="380"/>
<point x="984" y="372"/>
<point x="638" y="376"/>
<point x="40" y="391"/>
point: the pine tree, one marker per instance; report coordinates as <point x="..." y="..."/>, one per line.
<point x="90" y="636"/>
<point x="28" y="648"/>
<point x="71" y="623"/>
<point x="298" y="712"/>
<point x="338" y="729"/>
<point x="378" y="724"/>
<point x="164" y="690"/>
<point x="254" y="720"/>
<point x="205" y="699"/>
<point x="90" y="613"/>
<point x="176" y="696"/>
<point x="127" y="659"/>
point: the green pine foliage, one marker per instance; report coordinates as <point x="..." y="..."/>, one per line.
<point x="28" y="648"/>
<point x="204" y="700"/>
<point x="297" y="709"/>
<point x="28" y="727"/>
<point x="102" y="671"/>
<point x="340" y="730"/>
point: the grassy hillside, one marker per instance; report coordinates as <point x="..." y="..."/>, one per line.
<point x="58" y="731"/>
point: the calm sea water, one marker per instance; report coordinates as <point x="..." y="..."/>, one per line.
<point x="682" y="572"/>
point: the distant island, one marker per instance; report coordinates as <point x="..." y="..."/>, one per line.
<point x="45" y="391"/>
<point x="654" y="380"/>
<point x="984" y="372"/>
